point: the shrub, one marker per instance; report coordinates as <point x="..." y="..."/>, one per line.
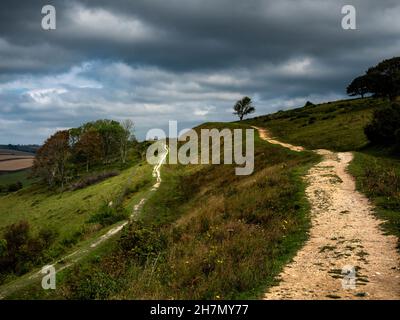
<point x="72" y="239"/>
<point x="385" y="125"/>
<point x="19" y="250"/>
<point x="15" y="186"/>
<point x="141" y="242"/>
<point x="90" y="284"/>
<point x="312" y="120"/>
<point x="109" y="214"/>
<point x="309" y="104"/>
<point x="48" y="235"/>
<point x="3" y="248"/>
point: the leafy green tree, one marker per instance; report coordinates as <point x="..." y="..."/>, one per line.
<point x="109" y="132"/>
<point x="126" y="136"/>
<point x="243" y="107"/>
<point x="88" y="147"/>
<point x="384" y="79"/>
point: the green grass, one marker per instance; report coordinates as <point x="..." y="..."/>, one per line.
<point x="335" y="126"/>
<point x="378" y="177"/>
<point x="206" y="233"/>
<point x="13" y="177"/>
<point x="71" y="214"/>
<point x="209" y="234"/>
<point x="67" y="211"/>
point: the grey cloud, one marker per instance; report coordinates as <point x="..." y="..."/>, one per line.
<point x="179" y="59"/>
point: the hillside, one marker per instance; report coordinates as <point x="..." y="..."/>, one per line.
<point x="336" y="126"/>
<point x="339" y="126"/>
<point x="207" y="233"/>
<point x="199" y="236"/>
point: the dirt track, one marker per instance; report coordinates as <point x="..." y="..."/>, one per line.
<point x="72" y="258"/>
<point x="347" y="255"/>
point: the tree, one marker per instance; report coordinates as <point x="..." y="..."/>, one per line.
<point x="384" y="79"/>
<point x="358" y="87"/>
<point x="125" y="137"/>
<point x="51" y="160"/>
<point x="243" y="107"/>
<point x="110" y="133"/>
<point x="88" y="147"/>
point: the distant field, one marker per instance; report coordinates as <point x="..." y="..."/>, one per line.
<point x="12" y="160"/>
<point x="16" y="164"/>
<point x="4" y="157"/>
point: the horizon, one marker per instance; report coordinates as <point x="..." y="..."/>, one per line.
<point x="153" y="62"/>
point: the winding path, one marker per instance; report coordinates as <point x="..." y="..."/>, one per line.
<point x="347" y="256"/>
<point x="72" y="258"/>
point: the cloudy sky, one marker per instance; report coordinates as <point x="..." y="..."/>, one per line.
<point x="186" y="60"/>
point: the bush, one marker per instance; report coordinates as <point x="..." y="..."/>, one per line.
<point x="109" y="214"/>
<point x="141" y="242"/>
<point x="90" y="284"/>
<point x="15" y="186"/>
<point x="309" y="104"/>
<point x="312" y="120"/>
<point x="19" y="250"/>
<point x="384" y="128"/>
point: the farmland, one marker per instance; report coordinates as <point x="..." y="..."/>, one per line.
<point x="11" y="160"/>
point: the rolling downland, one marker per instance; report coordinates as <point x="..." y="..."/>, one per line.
<point x="209" y="234"/>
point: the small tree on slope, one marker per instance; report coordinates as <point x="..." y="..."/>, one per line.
<point x="243" y="107"/>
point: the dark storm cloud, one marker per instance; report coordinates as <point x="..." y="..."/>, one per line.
<point x="154" y="60"/>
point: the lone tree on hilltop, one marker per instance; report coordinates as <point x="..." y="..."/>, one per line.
<point x="243" y="107"/>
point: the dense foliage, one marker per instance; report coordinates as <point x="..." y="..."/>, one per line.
<point x="68" y="152"/>
<point x="383" y="80"/>
<point x="384" y="128"/>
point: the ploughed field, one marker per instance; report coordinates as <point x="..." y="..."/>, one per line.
<point x="11" y="160"/>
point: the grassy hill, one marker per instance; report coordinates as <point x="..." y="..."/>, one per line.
<point x="337" y="126"/>
<point x="340" y="126"/>
<point x="72" y="216"/>
<point x="207" y="233"/>
<point x="13" y="177"/>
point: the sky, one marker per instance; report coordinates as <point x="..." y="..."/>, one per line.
<point x="187" y="60"/>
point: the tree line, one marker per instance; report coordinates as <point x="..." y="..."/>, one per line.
<point x="382" y="80"/>
<point x="68" y="152"/>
